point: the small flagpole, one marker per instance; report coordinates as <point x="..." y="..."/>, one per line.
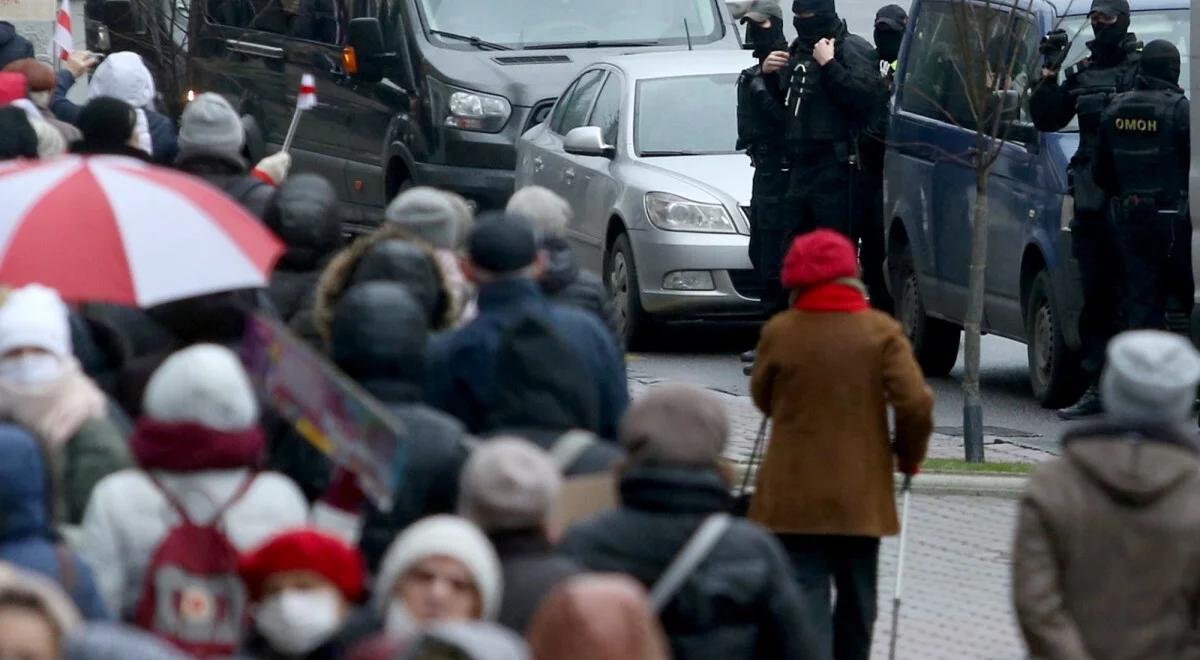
<point x="305" y="100"/>
<point x="287" y="141"/>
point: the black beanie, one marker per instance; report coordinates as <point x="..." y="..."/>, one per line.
<point x="1110" y="7"/>
<point x="1160" y="59"/>
<point x="17" y="137"/>
<point x="815" y="6"/>
<point x="107" y="122"/>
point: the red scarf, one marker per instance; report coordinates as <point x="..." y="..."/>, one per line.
<point x="832" y="297"/>
<point x="191" y="447"/>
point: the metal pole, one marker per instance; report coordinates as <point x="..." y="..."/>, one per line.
<point x="906" y="490"/>
<point x="287" y="141"/>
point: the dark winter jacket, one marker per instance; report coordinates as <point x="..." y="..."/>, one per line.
<point x="13" y="46"/>
<point x="742" y="601"/>
<point x="233" y="178"/>
<point x="27" y="538"/>
<point x="565" y="283"/>
<point x="304" y="214"/>
<point x="162" y="130"/>
<point x="531" y="568"/>
<point x="1106" y="563"/>
<point x="464" y="378"/>
<point x="379" y="339"/>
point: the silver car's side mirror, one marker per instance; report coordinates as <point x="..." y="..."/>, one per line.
<point x="587" y="141"/>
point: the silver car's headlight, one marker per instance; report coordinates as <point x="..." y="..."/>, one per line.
<point x="674" y="213"/>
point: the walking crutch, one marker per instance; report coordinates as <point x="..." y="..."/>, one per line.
<point x="905" y="490"/>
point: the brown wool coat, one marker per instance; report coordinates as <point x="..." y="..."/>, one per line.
<point x="826" y="379"/>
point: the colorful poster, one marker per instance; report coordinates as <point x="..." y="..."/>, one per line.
<point x="326" y="407"/>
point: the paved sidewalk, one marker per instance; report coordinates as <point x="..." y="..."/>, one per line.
<point x="957" y="602"/>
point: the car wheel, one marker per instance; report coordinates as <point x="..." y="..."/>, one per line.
<point x="621" y="282"/>
<point x="934" y="341"/>
<point x="1054" y="369"/>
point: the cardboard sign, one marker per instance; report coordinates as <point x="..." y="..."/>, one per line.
<point x="326" y="407"/>
<point x="583" y="497"/>
<point x="17" y="11"/>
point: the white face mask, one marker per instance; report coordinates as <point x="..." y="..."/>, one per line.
<point x="296" y="621"/>
<point x="31" y="369"/>
<point x="399" y="621"/>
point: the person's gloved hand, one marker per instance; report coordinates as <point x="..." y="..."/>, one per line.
<point x="824" y="51"/>
<point x="274" y="168"/>
<point x="81" y="62"/>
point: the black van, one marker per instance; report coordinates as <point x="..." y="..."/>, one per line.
<point x="409" y="91"/>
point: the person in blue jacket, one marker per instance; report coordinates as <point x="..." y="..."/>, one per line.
<point x="28" y="539"/>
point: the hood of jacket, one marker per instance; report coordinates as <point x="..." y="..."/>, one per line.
<point x="340" y="275"/>
<point x="595" y="617"/>
<point x="675" y="490"/>
<point x="1135" y="466"/>
<point x="7" y="33"/>
<point x="379" y="338"/>
<point x="123" y="76"/>
<point x="304" y="213"/>
<point x="23" y="491"/>
<point x="561" y="266"/>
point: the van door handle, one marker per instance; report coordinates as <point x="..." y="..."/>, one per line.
<point x="569" y="175"/>
<point x="255" y="49"/>
<point x="538" y="164"/>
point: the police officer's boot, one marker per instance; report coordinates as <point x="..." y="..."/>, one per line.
<point x="1089" y="405"/>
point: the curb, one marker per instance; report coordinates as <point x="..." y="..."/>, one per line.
<point x="978" y="485"/>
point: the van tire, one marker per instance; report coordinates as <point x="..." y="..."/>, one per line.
<point x="1055" y="373"/>
<point x="935" y="342"/>
<point x="635" y="326"/>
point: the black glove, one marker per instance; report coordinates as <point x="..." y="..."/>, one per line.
<point x="1054" y="48"/>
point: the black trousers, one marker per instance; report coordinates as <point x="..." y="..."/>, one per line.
<point x="851" y="565"/>
<point x="1096" y="245"/>
<point x="1147" y="241"/>
<point x="819" y="195"/>
<point x="1182" y="284"/>
<point x="868" y="229"/>
<point x="770" y="228"/>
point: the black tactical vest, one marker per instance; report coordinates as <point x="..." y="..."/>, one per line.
<point x="1094" y="88"/>
<point x="762" y="139"/>
<point x="1144" y="144"/>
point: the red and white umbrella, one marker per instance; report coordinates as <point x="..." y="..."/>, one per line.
<point x="119" y="230"/>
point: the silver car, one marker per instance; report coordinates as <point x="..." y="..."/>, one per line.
<point x="643" y="148"/>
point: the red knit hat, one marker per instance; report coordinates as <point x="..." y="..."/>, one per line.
<point x="305" y="550"/>
<point x="12" y="87"/>
<point x="817" y="258"/>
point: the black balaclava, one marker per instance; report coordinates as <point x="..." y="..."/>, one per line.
<point x="889" y="31"/>
<point x="1109" y="37"/>
<point x="823" y="24"/>
<point x="1160" y="59"/>
<point x="765" y="40"/>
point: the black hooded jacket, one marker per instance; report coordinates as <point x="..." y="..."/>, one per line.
<point x="379" y="339"/>
<point x="565" y="283"/>
<point x="13" y="46"/>
<point x="303" y="213"/>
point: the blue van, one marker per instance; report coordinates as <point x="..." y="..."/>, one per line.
<point x="1032" y="291"/>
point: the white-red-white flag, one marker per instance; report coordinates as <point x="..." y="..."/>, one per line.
<point x="308" y="93"/>
<point x="63" y="37"/>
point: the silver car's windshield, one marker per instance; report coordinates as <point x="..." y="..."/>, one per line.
<point x="685" y="116"/>
<point x="522" y="24"/>
<point x="1171" y="24"/>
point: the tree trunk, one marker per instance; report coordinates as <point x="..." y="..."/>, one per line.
<point x="973" y="322"/>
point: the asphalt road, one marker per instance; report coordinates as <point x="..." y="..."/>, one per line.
<point x="707" y="356"/>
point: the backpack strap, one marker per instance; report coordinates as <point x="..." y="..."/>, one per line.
<point x="697" y="549"/>
<point x="569" y="447"/>
<point x="221" y="510"/>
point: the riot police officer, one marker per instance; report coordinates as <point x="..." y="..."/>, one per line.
<point x="762" y="122"/>
<point x="1142" y="161"/>
<point x="832" y="84"/>
<point x="1089" y="86"/>
<point x="872" y="145"/>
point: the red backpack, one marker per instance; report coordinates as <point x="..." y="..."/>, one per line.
<point x="192" y="596"/>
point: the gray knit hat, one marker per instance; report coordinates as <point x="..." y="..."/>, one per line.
<point x="1150" y="378"/>
<point x="441" y="219"/>
<point x="211" y="127"/>
<point x="508" y="484"/>
<point x="675" y="425"/>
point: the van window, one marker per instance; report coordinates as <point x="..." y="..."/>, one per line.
<point x="936" y="83"/>
<point x="607" y="113"/>
<point x="1174" y="25"/>
<point x="311" y="20"/>
<point x="573" y="107"/>
<point x="522" y="24"/>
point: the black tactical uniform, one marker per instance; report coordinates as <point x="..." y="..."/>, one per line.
<point x="889" y="31"/>
<point x="1088" y="89"/>
<point x="762" y="122"/>
<point x="1142" y="161"/>
<point x="828" y="106"/>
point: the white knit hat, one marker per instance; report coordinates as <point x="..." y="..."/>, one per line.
<point x="35" y="316"/>
<point x="1150" y="378"/>
<point x="508" y="484"/>
<point x="205" y="385"/>
<point x="445" y="536"/>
